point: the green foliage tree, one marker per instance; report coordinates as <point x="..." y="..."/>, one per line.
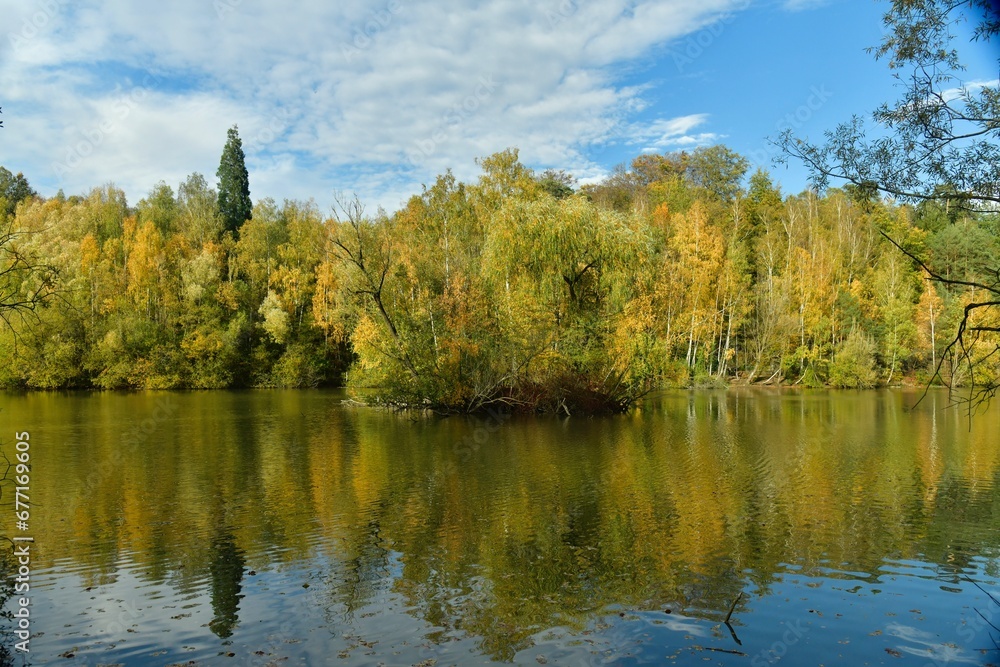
<point x="764" y="208"/>
<point x="198" y="216"/>
<point x="570" y="263"/>
<point x="13" y="190"/>
<point x="235" y="207"/>
<point x="160" y="207"/>
<point x="853" y="365"/>
<point x="719" y="170"/>
<point x="559" y="184"/>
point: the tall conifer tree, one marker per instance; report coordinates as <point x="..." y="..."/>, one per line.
<point x="234" y="184"/>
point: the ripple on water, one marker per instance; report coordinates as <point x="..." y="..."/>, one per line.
<point x="557" y="540"/>
<point x="122" y="613"/>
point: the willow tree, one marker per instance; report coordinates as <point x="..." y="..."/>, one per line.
<point x="563" y="274"/>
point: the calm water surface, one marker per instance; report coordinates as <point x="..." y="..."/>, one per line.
<point x="283" y="528"/>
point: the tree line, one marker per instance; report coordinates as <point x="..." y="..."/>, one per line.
<point x="519" y="289"/>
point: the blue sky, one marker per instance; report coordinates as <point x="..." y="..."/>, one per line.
<point x="379" y="97"/>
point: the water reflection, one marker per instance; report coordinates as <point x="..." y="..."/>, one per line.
<point x="534" y="538"/>
<point x="226" y="569"/>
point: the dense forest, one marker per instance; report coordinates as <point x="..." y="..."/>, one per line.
<point x="519" y="289"/>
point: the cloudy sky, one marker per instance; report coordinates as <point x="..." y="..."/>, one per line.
<point x="378" y="97"/>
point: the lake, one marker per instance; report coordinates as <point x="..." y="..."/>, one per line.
<point x="287" y="528"/>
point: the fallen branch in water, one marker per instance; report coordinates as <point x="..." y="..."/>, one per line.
<point x="732" y="630"/>
<point x="983" y="616"/>
<point x="732" y="607"/>
<point x="718" y="650"/>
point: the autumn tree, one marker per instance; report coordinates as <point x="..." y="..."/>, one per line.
<point x="567" y="264"/>
<point x="26" y="279"/>
<point x="197" y="215"/>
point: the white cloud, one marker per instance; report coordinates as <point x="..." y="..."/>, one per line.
<point x="375" y="98"/>
<point x="972" y="87"/>
<point x="666" y="134"/>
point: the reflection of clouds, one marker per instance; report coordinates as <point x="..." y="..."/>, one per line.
<point x="680" y="624"/>
<point x="674" y="622"/>
<point x="639" y="637"/>
<point x="935" y="650"/>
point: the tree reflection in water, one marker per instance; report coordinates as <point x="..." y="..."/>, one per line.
<point x="226" y="569"/>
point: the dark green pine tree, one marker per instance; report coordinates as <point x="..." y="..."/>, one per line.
<point x="234" y="184"/>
